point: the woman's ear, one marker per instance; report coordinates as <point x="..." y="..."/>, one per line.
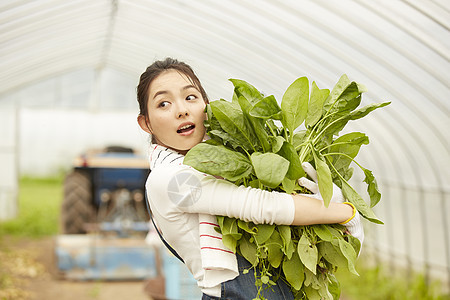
<point x="142" y="121"/>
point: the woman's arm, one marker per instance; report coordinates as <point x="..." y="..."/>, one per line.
<point x="312" y="211"/>
<point x="183" y="189"/>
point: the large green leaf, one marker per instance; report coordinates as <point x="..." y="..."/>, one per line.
<point x="257" y="124"/>
<point x="246" y="226"/>
<point x="245" y="89"/>
<point x="348" y="100"/>
<point x="312" y="293"/>
<point x="337" y="90"/>
<point x="293" y="270"/>
<point x="324" y="179"/>
<point x="263" y="233"/>
<point x="288" y="185"/>
<point x="230" y="242"/>
<point x="315" y="106"/>
<point x="276" y="142"/>
<point x="223" y="138"/>
<point x="333" y="254"/>
<point x="352" y="196"/>
<point x="299" y="139"/>
<point x="285" y="233"/>
<point x="294" y="103"/>
<point x="364" y="111"/>
<point x="230" y="226"/>
<point x="312" y="281"/>
<point x="232" y="120"/>
<point x="219" y="161"/>
<point x="337" y="125"/>
<point x="270" y="168"/>
<point x="216" y="132"/>
<point x="248" y="250"/>
<point x="266" y="108"/>
<point x="275" y="249"/>
<point x="334" y="287"/>
<point x="336" y="230"/>
<point x="349" y="253"/>
<point x="346" y="175"/>
<point x="323" y="232"/>
<point x="295" y="170"/>
<point x="372" y="187"/>
<point x="211" y="123"/>
<point x="229" y="230"/>
<point x="355" y="242"/>
<point x="348" y="144"/>
<point x="323" y="288"/>
<point x="308" y="253"/>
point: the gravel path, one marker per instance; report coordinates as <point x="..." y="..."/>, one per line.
<point x="27" y="273"/>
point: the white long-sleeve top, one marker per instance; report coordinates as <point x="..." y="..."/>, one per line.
<point x="184" y="203"/>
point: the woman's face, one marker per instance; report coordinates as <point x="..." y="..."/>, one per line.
<point x="175" y="111"/>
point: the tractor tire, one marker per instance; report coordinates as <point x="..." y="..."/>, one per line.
<point x="77" y="207"/>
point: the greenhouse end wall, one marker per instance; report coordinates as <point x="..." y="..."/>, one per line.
<point x="8" y="162"/>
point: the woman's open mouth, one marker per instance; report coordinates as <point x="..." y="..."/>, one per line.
<point x="186" y="129"/>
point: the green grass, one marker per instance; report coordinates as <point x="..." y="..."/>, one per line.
<point x="39" y="208"/>
<point x="378" y="283"/>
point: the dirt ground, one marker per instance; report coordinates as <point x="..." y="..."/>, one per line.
<point x="28" y="274"/>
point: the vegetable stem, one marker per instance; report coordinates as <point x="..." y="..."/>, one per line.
<point x="343" y="154"/>
<point x="311" y="136"/>
<point x="285" y="133"/>
<point x="271" y="129"/>
<point x="334" y="144"/>
<point x="326" y="127"/>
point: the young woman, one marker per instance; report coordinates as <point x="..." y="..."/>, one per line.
<point x="184" y="202"/>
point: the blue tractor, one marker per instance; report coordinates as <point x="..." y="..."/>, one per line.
<point x="104" y="218"/>
<point x="105" y="191"/>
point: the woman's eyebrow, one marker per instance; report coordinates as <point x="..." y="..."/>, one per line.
<point x="163" y="92"/>
<point x="189" y="86"/>
<point x="159" y="93"/>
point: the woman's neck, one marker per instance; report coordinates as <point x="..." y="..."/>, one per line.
<point x="182" y="152"/>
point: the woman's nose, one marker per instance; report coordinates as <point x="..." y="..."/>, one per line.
<point x="182" y="111"/>
<point x="181" y="114"/>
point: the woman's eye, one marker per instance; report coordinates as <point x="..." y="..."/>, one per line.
<point x="191" y="97"/>
<point x="163" y="104"/>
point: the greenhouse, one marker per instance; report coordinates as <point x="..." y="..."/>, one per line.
<point x="69" y="71"/>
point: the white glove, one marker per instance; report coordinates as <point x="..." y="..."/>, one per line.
<point x="354" y="226"/>
<point x="337" y="197"/>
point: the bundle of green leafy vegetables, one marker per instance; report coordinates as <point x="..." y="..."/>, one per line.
<point x="255" y="142"/>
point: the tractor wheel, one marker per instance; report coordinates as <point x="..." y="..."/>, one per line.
<point x="77" y="207"/>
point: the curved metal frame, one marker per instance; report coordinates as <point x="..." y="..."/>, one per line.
<point x="270" y="44"/>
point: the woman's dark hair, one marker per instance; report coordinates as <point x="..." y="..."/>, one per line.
<point x="154" y="70"/>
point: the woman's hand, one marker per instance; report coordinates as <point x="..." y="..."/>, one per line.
<point x="354" y="226"/>
<point x="337" y="197"/>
